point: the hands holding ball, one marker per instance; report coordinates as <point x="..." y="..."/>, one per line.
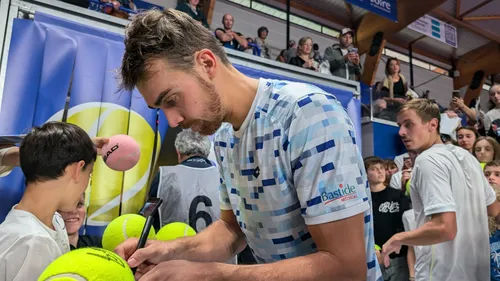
<point x="119" y="152"/>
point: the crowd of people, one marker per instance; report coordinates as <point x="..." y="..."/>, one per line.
<point x="289" y="190"/>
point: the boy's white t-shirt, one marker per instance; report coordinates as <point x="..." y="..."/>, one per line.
<point x="447" y="178"/>
<point x="28" y="246"/>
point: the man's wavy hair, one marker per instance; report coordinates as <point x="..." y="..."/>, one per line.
<point x="171" y="35"/>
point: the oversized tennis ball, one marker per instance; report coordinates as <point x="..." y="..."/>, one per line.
<point x="122" y="228"/>
<point x="175" y="230"/>
<point x="121" y="153"/>
<point x="88" y="264"/>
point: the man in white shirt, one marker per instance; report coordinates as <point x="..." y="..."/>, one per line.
<point x="57" y="160"/>
<point x="449" y="195"/>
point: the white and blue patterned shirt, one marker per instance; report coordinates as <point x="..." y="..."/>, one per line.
<point x="294" y="162"/>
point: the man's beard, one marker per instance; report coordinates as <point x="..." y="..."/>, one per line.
<point x="214" y="111"/>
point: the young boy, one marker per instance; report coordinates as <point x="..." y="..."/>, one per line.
<point x="56" y="159"/>
<point x="492" y="173"/>
<point x="389" y="205"/>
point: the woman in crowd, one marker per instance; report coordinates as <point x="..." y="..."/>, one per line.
<point x="73" y="221"/>
<point x="303" y="58"/>
<point x="467" y="137"/>
<point x="394" y="82"/>
<point x="486" y="149"/>
<point x="281" y="56"/>
<point x="493" y="107"/>
<point x="195" y="9"/>
<point x="260" y="40"/>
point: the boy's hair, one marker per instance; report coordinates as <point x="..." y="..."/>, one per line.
<point x="170" y="35"/>
<point x="373" y="160"/>
<point x="47" y="150"/>
<point x="470" y="128"/>
<point x="494" y="163"/>
<point x="425" y="109"/>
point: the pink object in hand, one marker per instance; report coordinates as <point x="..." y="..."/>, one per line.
<point x="121" y="153"/>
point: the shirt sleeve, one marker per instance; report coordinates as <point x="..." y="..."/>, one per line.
<point x="28" y="259"/>
<point x="431" y="179"/>
<point x="326" y="163"/>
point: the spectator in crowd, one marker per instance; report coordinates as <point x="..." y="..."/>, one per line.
<point x="492" y="173"/>
<point x="388" y="208"/>
<point x="303" y="58"/>
<point x="291" y="51"/>
<point x="194" y="8"/>
<point x="229" y="38"/>
<point x="344" y="58"/>
<point x="249" y="49"/>
<point x="468" y="114"/>
<point x="281" y="57"/>
<point x="390" y="167"/>
<point x="115" y="10"/>
<point x="466" y="137"/>
<point x="486" y="149"/>
<point x="260" y="40"/>
<point x="394" y="83"/>
<point x="57" y="160"/>
<point x="450" y="195"/>
<point x="401" y="179"/>
<point x="73" y="221"/>
<point x="316" y="54"/>
<point x="493" y="107"/>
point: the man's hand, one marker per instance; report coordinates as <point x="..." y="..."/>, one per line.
<point x="391" y="246"/>
<point x="180" y="270"/>
<point x="99" y="143"/>
<point x="146" y="258"/>
<point x="355" y="58"/>
<point x="458" y="102"/>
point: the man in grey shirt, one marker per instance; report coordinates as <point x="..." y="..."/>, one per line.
<point x="190" y="189"/>
<point x="344" y="58"/>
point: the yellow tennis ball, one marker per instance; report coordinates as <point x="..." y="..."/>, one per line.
<point x="122" y="228"/>
<point x="88" y="264"/>
<point x="175" y="230"/>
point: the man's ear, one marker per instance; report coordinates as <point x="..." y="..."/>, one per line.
<point x="207" y="60"/>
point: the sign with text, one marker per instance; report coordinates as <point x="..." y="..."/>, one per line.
<point x="384" y="8"/>
<point x="436" y="29"/>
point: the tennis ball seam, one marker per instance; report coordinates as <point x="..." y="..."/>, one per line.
<point x="124" y="229"/>
<point x="75" y="276"/>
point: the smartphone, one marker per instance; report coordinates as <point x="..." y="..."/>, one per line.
<point x="11" y="139"/>
<point x="353" y="50"/>
<point x="148" y="210"/>
<point x="456" y="93"/>
<point x="406" y="163"/>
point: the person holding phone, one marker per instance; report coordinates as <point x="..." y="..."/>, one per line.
<point x="292" y="179"/>
<point x="343" y="57"/>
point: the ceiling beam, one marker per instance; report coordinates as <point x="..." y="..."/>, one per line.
<point x="478" y="59"/>
<point x="350" y="16"/>
<point x="210" y="10"/>
<point x="438" y="13"/>
<point x="310" y="10"/>
<point x="408" y="12"/>
<point x="478" y="6"/>
<point x="457" y="8"/>
<point x="497" y="17"/>
<point x="394" y="41"/>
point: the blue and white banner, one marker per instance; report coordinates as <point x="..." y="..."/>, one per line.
<point x="385" y="8"/>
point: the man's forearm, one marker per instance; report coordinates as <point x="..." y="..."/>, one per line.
<point x="217" y="243"/>
<point x="428" y="234"/>
<point x="318" y="266"/>
<point x="11" y="157"/>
